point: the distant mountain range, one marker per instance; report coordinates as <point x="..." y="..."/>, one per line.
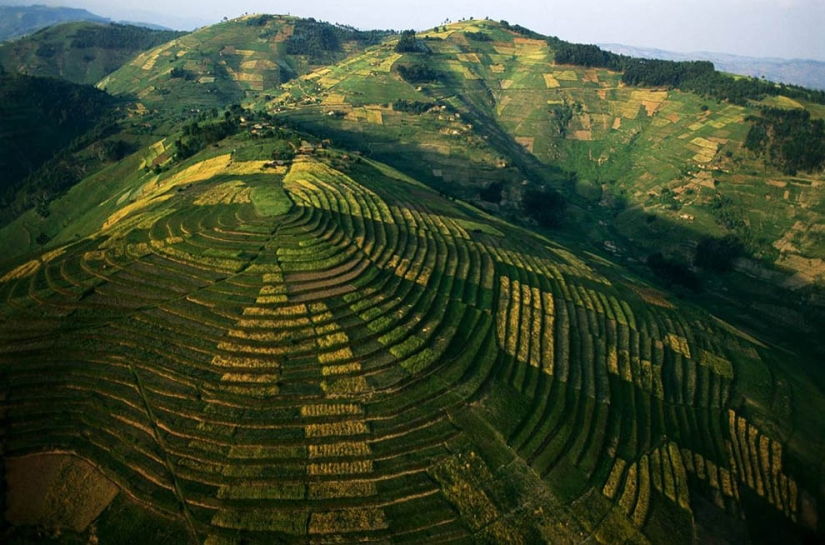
<point x="17" y="21"/>
<point x="807" y="73"/>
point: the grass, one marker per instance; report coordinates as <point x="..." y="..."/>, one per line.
<point x="270" y="201"/>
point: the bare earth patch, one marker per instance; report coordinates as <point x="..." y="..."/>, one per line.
<point x="56" y="491"/>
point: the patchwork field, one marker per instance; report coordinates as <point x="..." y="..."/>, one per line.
<point x="320" y="328"/>
<point x="338" y="353"/>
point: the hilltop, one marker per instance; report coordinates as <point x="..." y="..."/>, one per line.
<point x="472" y="284"/>
<point x="221" y="64"/>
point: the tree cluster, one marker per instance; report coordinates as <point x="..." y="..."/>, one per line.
<point x="727" y="213"/>
<point x="313" y="39"/>
<point x="115" y="36"/>
<point x="523" y="31"/>
<point x="259" y="20"/>
<point x="419" y="73"/>
<point x="789" y="139"/>
<point x="408" y="43"/>
<point x="695" y="76"/>
<point x="478" y="36"/>
<point x="562" y="115"/>
<point x="181" y="73"/>
<point x="411" y="106"/>
<point x="320" y="40"/>
<point x="492" y="192"/>
<point x="717" y="254"/>
<point x="673" y="271"/>
<point x="199" y="134"/>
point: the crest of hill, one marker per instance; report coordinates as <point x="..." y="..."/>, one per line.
<point x="80" y="52"/>
<point x="16" y="21"/>
<point x="223" y="63"/>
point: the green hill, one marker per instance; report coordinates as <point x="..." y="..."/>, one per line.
<point x="16" y="21"/>
<point x="423" y="288"/>
<point x="81" y="52"/>
<point x="330" y="350"/>
<point x="221" y="64"/>
<point x="643" y="168"/>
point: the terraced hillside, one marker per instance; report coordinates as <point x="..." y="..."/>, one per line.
<point x="80" y="52"/>
<point x="221" y="64"/>
<point x="328" y="351"/>
<point x="659" y="167"/>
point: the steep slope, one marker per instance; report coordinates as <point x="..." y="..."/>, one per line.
<point x="645" y="169"/>
<point x="329" y="350"/>
<point x="82" y="52"/>
<point x="38" y="118"/>
<point x="221" y="64"/>
<point x="16" y="21"/>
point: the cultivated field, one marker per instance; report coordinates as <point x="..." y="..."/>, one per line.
<point x="340" y="354"/>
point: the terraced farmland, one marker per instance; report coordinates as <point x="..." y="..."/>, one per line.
<point x="332" y="352"/>
<point x="504" y="111"/>
<point x="224" y="63"/>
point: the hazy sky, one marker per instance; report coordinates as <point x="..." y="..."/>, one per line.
<point x="780" y="28"/>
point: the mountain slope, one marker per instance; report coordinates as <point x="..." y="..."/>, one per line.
<point x="290" y="352"/>
<point x="267" y="326"/>
<point x="221" y="64"/>
<point x="16" y="21"/>
<point x="81" y="52"/>
<point x="644" y="168"/>
<point x="38" y="118"/>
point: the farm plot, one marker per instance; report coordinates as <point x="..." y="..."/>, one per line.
<point x="291" y="359"/>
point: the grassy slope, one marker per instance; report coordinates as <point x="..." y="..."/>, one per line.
<point x="771" y="388"/>
<point x="81" y="52"/>
<point x="222" y="63"/>
<point x="185" y="215"/>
